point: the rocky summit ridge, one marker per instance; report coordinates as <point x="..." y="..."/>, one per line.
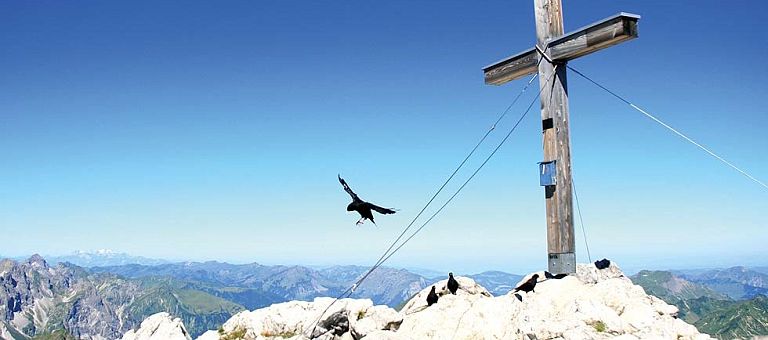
<point x="590" y="304"/>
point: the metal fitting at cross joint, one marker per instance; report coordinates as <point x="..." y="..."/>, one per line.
<point x="547" y="57"/>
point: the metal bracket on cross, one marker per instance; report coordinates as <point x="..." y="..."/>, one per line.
<point x="544" y="54"/>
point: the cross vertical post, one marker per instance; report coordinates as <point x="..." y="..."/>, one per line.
<point x="561" y="245"/>
<point x="553" y="50"/>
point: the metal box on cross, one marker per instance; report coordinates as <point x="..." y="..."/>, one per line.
<point x="548" y="173"/>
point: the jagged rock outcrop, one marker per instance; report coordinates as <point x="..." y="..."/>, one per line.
<point x="38" y="299"/>
<point x="159" y="326"/>
<point x="350" y="318"/>
<point x="592" y="304"/>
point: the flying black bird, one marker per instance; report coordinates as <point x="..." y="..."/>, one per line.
<point x="527" y="286"/>
<point x="362" y="207"/>
<point x="453" y="285"/>
<point x="431" y="297"/>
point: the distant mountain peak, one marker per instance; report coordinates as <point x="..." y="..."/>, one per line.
<point x="37" y="261"/>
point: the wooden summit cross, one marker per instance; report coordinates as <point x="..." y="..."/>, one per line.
<point x="554" y="48"/>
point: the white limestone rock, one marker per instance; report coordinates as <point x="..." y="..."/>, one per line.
<point x="159" y="326"/>
<point x="373" y="319"/>
<point x="590" y="304"/>
<point x="468" y="288"/>
<point x="588" y="273"/>
<point x="296" y="319"/>
<point x="209" y="335"/>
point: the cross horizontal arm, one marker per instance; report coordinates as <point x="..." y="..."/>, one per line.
<point x="592" y="38"/>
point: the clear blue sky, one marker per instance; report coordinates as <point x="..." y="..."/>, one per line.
<point x="215" y="130"/>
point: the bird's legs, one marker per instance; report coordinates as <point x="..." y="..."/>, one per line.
<point x="360" y="221"/>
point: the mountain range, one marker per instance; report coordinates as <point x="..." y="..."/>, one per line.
<point x="255" y="285"/>
<point x="39" y="299"/>
<point x="738" y="283"/>
<point x="722" y="302"/>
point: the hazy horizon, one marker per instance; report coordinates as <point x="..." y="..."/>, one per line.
<point x="630" y="269"/>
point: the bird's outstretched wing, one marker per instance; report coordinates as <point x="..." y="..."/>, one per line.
<point x="381" y="210"/>
<point x="347" y="189"/>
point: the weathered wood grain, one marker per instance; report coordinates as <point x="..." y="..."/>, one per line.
<point x="556" y="141"/>
<point x="602" y="34"/>
<point x="512" y="68"/>
<point x="591" y="39"/>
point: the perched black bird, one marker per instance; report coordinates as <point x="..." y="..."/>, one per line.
<point x="453" y="285"/>
<point x="549" y="275"/>
<point x="528" y="286"/>
<point x="362" y="207"/>
<point x="432" y="297"/>
<point x="602" y="264"/>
